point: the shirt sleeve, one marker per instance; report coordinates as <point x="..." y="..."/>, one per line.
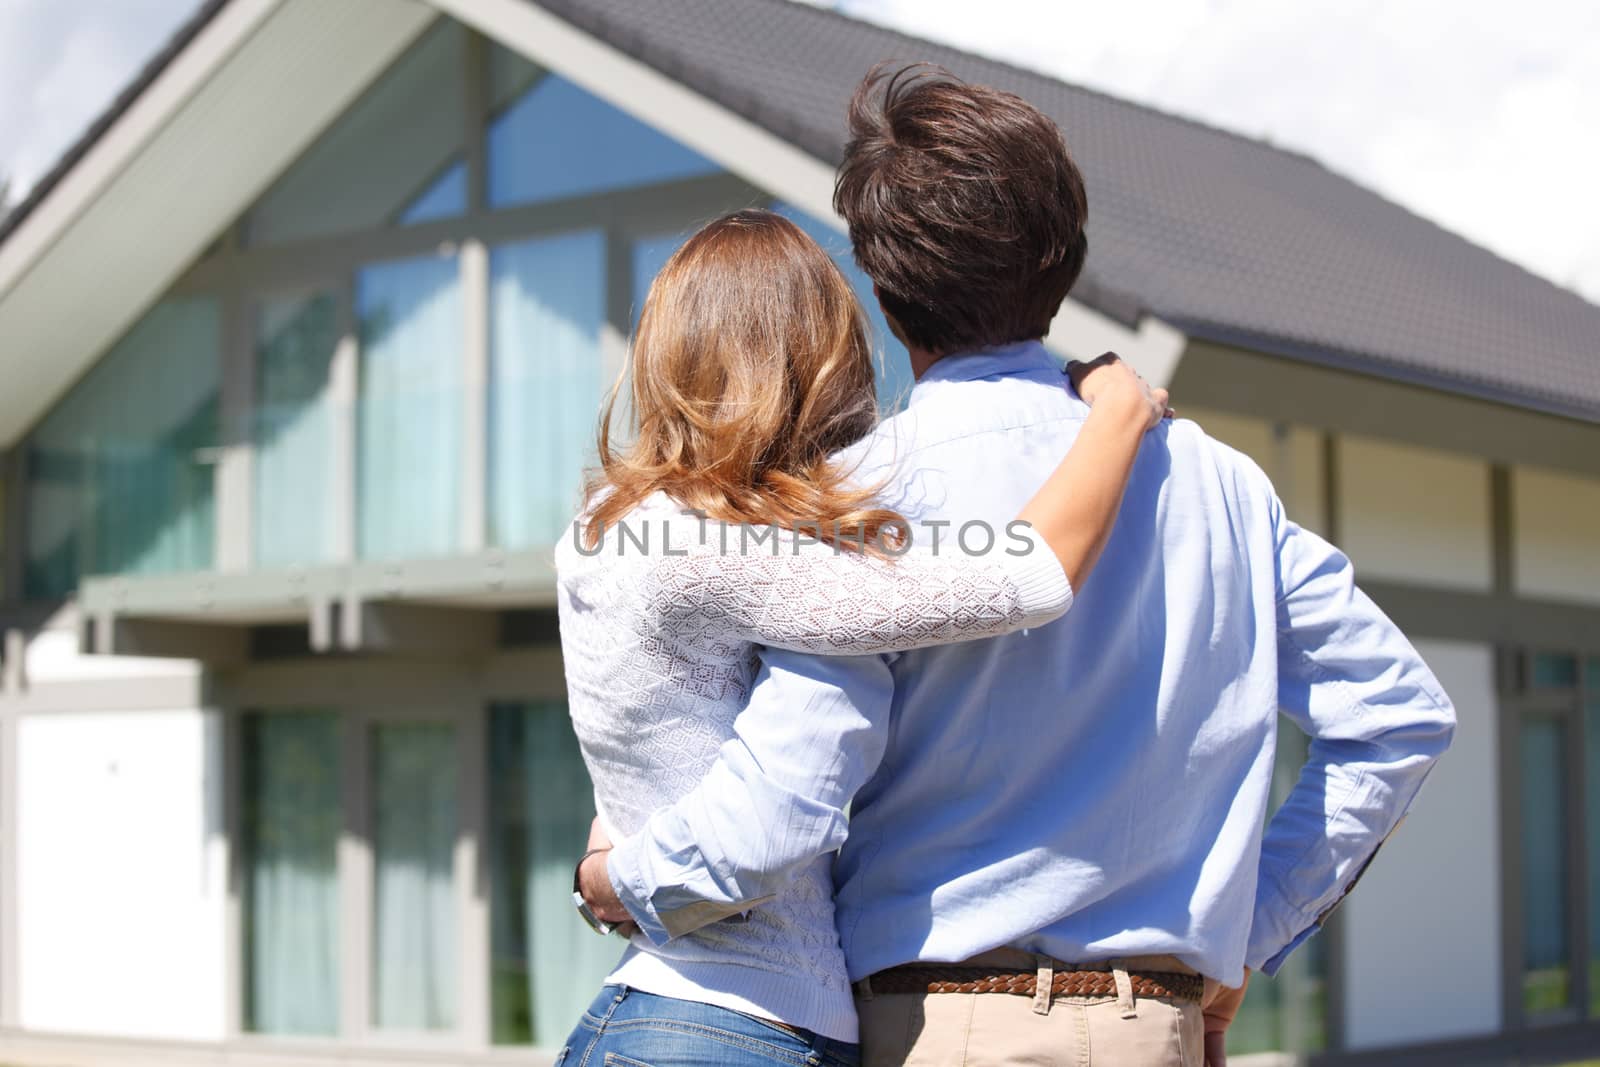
<point x="813" y="732"/>
<point x="1377" y="720"/>
<point x="803" y="595"/>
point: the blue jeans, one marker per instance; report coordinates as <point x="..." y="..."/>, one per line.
<point x="627" y="1028"/>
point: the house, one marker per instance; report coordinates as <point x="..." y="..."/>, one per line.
<point x="301" y="348"/>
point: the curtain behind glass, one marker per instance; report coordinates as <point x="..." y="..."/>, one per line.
<point x="1545" y="952"/>
<point x="120" y="476"/>
<point x="547" y="302"/>
<point x="295" y="339"/>
<point x="414" y="789"/>
<point x="547" y="964"/>
<point x="409" y="442"/>
<point x="289" y="835"/>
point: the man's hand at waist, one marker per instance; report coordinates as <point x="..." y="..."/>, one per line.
<point x="1219" y="1006"/>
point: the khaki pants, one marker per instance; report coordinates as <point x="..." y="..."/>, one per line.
<point x="1000" y="1030"/>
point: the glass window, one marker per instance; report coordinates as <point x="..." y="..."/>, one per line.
<point x="893" y="364"/>
<point x="546" y="966"/>
<point x="1546" y="948"/>
<point x="289" y="833"/>
<point x="414" y="791"/>
<point x="409" y="411"/>
<point x="1554" y="671"/>
<point x="295" y="339"/>
<point x="1287" y="1013"/>
<point x="553" y="140"/>
<point x="1591" y="777"/>
<point x="650" y="254"/>
<point x="371" y="162"/>
<point x="444" y="198"/>
<point x="120" y="473"/>
<point x="547" y="304"/>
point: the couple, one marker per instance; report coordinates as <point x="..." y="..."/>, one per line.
<point x="863" y="799"/>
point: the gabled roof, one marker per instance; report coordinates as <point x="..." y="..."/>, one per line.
<point x="1224" y="237"/>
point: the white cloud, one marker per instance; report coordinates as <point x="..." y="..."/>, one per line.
<point x="61" y="65"/>
<point x="1476" y="115"/>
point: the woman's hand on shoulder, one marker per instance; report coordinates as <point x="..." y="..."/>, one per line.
<point x="1109" y="382"/>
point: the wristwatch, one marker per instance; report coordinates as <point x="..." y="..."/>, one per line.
<point x="597" y="924"/>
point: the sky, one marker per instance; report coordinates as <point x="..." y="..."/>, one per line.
<point x="1482" y="116"/>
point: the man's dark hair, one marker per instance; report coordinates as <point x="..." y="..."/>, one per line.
<point x="964" y="207"/>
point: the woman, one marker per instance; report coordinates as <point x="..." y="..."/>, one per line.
<point x="751" y="370"/>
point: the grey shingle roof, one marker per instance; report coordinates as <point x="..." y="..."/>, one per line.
<point x="1227" y="238"/>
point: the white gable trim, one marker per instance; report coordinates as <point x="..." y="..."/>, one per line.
<point x="760" y="157"/>
<point x="111" y="154"/>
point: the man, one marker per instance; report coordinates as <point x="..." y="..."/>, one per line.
<point x="1071" y="816"/>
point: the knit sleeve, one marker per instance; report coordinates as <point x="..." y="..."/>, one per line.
<point x="798" y="594"/>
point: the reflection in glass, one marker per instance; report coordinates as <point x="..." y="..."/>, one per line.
<point x="893" y="365"/>
<point x="414" y="789"/>
<point x="547" y="303"/>
<point x="120" y="475"/>
<point x="546" y="967"/>
<point x="1555" y="671"/>
<point x="444" y="198"/>
<point x="1546" y="952"/>
<point x="289" y="832"/>
<point x="650" y="254"/>
<point x="554" y="140"/>
<point x="409" y="441"/>
<point x="360" y="173"/>
<point x="295" y="339"/>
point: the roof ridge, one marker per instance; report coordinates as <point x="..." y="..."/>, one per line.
<point x="1078" y="87"/>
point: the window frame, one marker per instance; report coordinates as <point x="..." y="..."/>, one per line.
<point x="1521" y="701"/>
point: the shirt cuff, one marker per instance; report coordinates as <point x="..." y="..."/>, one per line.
<point x="1043" y="592"/>
<point x="1270" y="967"/>
<point x="627" y="880"/>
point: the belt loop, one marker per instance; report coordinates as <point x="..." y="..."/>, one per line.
<point x="1042" y="986"/>
<point x="864" y="988"/>
<point x="1124" y="990"/>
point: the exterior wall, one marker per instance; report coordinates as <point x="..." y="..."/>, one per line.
<point x="1422" y="931"/>
<point x="1556" y="530"/>
<point x="1414" y="514"/>
<point x="1292" y="459"/>
<point x="121" y="873"/>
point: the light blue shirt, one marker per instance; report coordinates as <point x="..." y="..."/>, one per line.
<point x="1093" y="788"/>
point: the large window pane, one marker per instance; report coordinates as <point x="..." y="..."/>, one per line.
<point x="289" y="832"/>
<point x="547" y="304"/>
<point x="120" y="474"/>
<point x="409" y="449"/>
<point x="295" y="339"/>
<point x="1546" y="947"/>
<point x="893" y="365"/>
<point x="414" y="791"/>
<point x="380" y="154"/>
<point x="546" y="965"/>
<point x="1555" y="671"/>
<point x="554" y="140"/>
<point x="445" y="197"/>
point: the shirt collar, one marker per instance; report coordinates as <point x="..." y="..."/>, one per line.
<point x="1022" y="357"/>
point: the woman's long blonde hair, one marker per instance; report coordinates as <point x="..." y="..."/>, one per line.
<point x="749" y="370"/>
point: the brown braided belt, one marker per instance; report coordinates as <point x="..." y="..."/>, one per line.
<point x="953" y="978"/>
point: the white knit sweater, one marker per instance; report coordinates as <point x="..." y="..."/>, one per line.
<point x="659" y="644"/>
